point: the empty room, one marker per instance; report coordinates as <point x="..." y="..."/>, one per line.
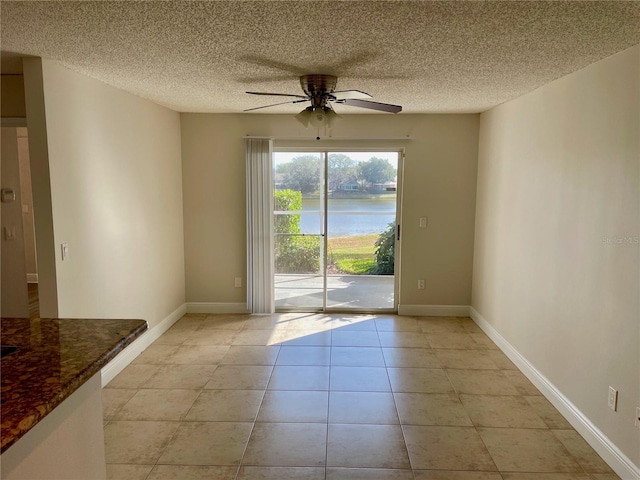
<point x="320" y="240"/>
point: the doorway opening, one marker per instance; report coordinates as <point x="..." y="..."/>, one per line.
<point x="18" y="250"/>
<point x="336" y="230"/>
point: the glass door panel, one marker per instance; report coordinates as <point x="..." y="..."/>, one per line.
<point x="361" y="230"/>
<point x="299" y="230"/>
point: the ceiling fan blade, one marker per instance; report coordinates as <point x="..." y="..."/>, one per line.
<point x="280" y="78"/>
<point x="356" y="59"/>
<point x="383" y="107"/>
<point x="274" y="64"/>
<point x="278" y="94"/>
<point x="274" y="104"/>
<point x="374" y="76"/>
<point x="350" y="94"/>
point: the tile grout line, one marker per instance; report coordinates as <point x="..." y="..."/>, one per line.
<point x="521" y="393"/>
<point x="395" y="404"/>
<point x="475" y="428"/>
<point x="174" y="433"/>
<point x="326" y="450"/>
<point x="253" y="426"/>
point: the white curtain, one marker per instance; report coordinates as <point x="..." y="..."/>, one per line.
<point x="259" y="226"/>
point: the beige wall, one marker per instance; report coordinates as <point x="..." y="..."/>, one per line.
<point x="41" y="187"/>
<point x="439" y="182"/>
<point x="116" y="193"/>
<point x="558" y="189"/>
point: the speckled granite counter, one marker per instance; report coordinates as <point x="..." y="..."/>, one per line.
<point x="55" y="357"/>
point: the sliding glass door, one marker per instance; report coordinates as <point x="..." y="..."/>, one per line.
<point x="336" y="230"/>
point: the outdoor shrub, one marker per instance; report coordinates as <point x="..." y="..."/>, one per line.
<point x="384" y="251"/>
<point x="297" y="254"/>
<point x="293" y="254"/>
<point x="287" y="200"/>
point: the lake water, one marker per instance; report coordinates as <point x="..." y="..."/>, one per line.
<point x="373" y="215"/>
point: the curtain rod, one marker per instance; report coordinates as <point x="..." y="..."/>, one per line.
<point x="369" y="139"/>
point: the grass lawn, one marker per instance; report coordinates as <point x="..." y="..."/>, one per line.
<point x="354" y="255"/>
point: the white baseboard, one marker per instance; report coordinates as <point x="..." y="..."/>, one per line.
<point x="32" y="278"/>
<point x="206" y="307"/>
<point x="139" y="345"/>
<point x="611" y="454"/>
<point x="434" y="310"/>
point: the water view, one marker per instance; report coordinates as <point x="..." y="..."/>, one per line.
<point x="373" y="215"/>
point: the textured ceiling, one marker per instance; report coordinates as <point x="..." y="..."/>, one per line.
<point x="454" y="56"/>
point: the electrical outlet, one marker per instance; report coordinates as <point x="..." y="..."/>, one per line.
<point x="237" y="282"/>
<point x="10" y="233"/>
<point x="421" y="284"/>
<point x="423" y="222"/>
<point x="613" y="399"/>
<point x="637" y="422"/>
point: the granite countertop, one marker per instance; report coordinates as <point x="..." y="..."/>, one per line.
<point x="55" y="357"/>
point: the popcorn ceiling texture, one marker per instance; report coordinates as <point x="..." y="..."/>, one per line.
<point x="427" y="56"/>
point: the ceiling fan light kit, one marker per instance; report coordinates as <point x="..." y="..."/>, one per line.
<point x="317" y="117"/>
<point x="320" y="90"/>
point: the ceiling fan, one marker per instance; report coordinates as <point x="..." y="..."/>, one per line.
<point x="320" y="90"/>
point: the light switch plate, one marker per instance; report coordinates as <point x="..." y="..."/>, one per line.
<point x="64" y="250"/>
<point x="612" y="401"/>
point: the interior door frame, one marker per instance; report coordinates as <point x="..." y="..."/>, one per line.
<point x="325" y="150"/>
<point x="15" y="296"/>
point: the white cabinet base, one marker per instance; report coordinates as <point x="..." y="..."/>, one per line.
<point x="68" y="444"/>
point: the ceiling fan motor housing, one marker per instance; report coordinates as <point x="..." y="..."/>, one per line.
<point x="320" y="90"/>
<point x="317" y="87"/>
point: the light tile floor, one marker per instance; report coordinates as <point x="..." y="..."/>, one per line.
<point x="335" y="397"/>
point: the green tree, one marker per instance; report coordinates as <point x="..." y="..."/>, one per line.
<point x="376" y="170"/>
<point x="301" y="173"/>
<point x="342" y="169"/>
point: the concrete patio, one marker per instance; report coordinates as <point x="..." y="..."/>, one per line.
<point x="344" y="292"/>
